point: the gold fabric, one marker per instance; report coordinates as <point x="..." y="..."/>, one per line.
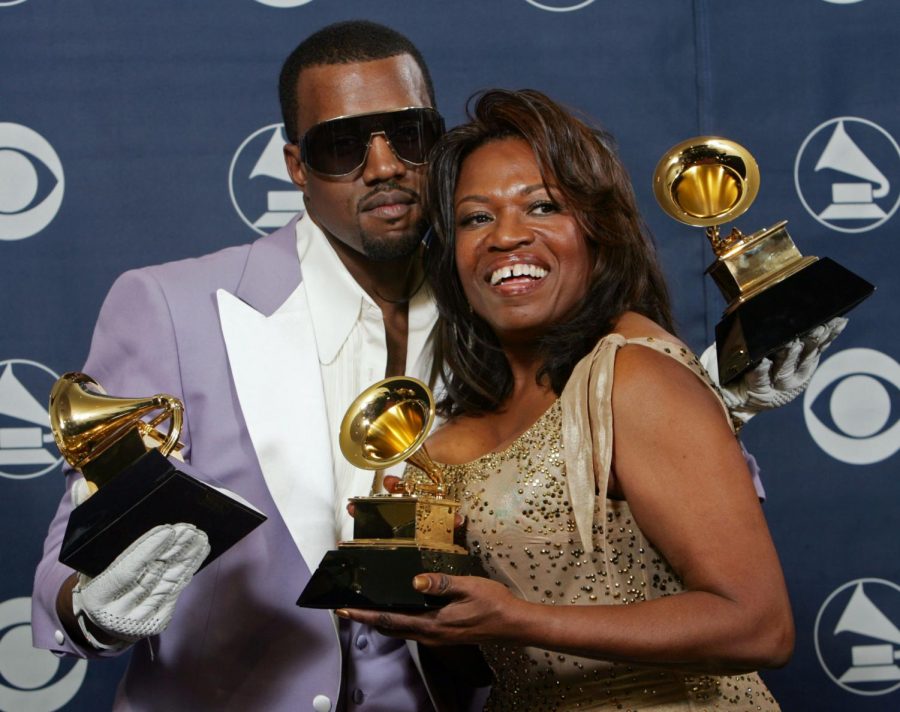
<point x="587" y="398"/>
<point x="522" y="525"/>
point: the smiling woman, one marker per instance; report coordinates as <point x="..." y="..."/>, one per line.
<point x="576" y="196"/>
<point x="555" y="326"/>
<point x="523" y="260"/>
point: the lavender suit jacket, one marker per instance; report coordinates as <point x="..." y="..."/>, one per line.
<point x="237" y="640"/>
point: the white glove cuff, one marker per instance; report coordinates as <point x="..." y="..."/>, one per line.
<point x="85" y="631"/>
<point x="82" y="616"/>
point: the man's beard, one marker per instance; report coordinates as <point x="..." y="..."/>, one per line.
<point x="384" y="249"/>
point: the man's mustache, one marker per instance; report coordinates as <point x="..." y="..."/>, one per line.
<point x="387" y="187"/>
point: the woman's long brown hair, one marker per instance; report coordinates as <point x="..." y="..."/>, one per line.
<point x="592" y="183"/>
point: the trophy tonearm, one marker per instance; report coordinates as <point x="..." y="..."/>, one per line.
<point x="395" y="536"/>
<point x="773" y="292"/>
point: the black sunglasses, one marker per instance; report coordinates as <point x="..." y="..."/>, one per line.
<point x="339" y="146"/>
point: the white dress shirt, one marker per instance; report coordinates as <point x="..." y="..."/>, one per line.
<point x="352" y="349"/>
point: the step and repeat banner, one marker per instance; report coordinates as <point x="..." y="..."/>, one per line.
<point x="140" y="132"/>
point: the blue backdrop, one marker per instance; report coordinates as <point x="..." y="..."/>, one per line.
<point x="145" y="131"/>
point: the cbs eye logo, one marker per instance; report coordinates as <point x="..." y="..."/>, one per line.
<point x="560" y="5"/>
<point x="851" y="406"/>
<point x="32" y="679"/>
<point x="31" y="182"/>
<point x="283" y="3"/>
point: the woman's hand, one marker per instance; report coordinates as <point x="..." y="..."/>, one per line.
<point x="479" y="611"/>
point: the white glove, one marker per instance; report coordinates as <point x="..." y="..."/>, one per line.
<point x="775" y="381"/>
<point x="81" y="490"/>
<point x="135" y="596"/>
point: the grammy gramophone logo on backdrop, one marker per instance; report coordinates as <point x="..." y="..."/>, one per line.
<point x="26" y="443"/>
<point x="857" y="636"/>
<point x="30" y="678"/>
<point x="847" y="174"/>
<point x="261" y="189"/>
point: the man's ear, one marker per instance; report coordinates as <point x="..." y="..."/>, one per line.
<point x="295" y="168"/>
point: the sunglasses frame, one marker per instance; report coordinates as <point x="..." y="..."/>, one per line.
<point x="302" y="144"/>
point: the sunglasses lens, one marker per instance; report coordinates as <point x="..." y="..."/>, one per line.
<point x="338" y="147"/>
<point x="413" y="132"/>
<point x="335" y="147"/>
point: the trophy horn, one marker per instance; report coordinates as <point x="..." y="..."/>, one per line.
<point x="397" y="535"/>
<point x="86" y="422"/>
<point x="388" y="423"/>
<point x="706" y="181"/>
<point x="773" y="292"/>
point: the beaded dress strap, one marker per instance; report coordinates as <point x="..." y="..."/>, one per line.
<point x="587" y="399"/>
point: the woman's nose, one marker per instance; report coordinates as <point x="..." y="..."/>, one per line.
<point x="510" y="231"/>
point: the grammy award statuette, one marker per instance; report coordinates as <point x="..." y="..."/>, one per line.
<point x="134" y="486"/>
<point x="395" y="536"/>
<point x="774" y="293"/>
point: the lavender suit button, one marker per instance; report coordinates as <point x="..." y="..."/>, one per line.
<point x="322" y="703"/>
<point x="361" y="642"/>
<point x="59" y="637"/>
<point x="358" y="696"/>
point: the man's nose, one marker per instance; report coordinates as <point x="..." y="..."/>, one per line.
<point x="382" y="163"/>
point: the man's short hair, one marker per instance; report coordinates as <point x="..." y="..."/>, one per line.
<point x="342" y="43"/>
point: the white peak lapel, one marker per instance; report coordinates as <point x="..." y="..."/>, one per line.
<point x="275" y="367"/>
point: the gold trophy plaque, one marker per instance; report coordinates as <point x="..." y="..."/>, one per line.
<point x="395" y="536"/>
<point x="774" y="293"/>
<point x="134" y="486"/>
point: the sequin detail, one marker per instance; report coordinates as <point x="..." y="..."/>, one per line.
<point x="520" y="525"/>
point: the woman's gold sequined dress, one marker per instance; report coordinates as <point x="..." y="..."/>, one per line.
<point x="520" y="524"/>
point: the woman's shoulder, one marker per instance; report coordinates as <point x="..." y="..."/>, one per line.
<point x="634" y="326"/>
<point x="667" y="372"/>
<point x="640" y="352"/>
<point x="646" y="343"/>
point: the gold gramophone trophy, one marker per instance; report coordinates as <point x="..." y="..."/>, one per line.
<point x="773" y="292"/>
<point x="134" y="486"/>
<point x="395" y="536"/>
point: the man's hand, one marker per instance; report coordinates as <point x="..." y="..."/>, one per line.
<point x="135" y="596"/>
<point x="775" y="381"/>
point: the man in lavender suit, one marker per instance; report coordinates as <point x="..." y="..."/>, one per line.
<point x="267" y="344"/>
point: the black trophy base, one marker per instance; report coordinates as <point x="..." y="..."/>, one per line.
<point x="803" y="301"/>
<point x="380" y="578"/>
<point x="149" y="492"/>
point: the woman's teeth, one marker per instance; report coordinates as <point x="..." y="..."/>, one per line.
<point x="517" y="270"/>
